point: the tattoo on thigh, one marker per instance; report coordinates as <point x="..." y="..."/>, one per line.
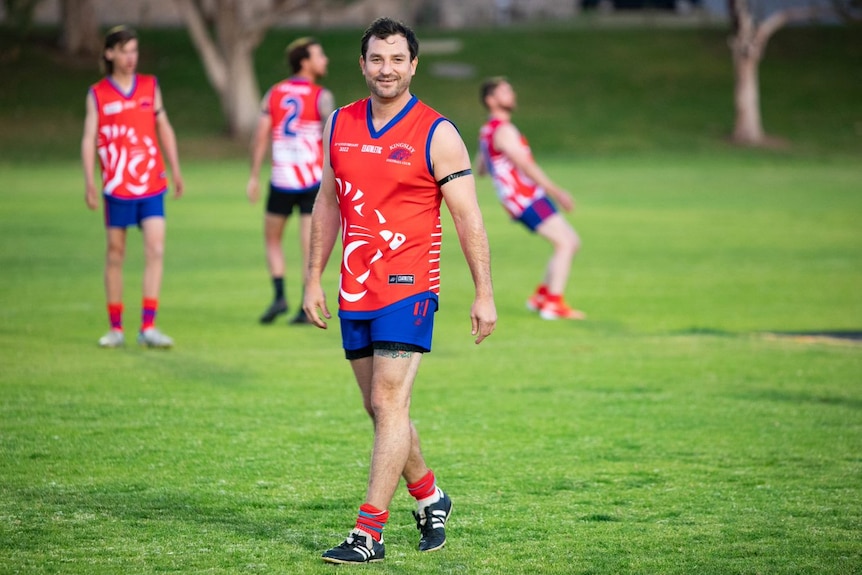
<point x="393" y="353"/>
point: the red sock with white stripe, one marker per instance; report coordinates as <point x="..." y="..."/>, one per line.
<point x="425" y="491"/>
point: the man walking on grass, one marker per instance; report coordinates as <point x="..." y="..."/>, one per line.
<point x="390" y="162"/>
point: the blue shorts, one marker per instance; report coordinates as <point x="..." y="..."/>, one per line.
<point x="125" y="213"/>
<point x="407" y="328"/>
<point x="537" y="212"/>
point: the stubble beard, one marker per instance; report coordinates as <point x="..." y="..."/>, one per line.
<point x="392" y="92"/>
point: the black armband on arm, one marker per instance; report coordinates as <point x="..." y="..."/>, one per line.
<point x="454" y="176"/>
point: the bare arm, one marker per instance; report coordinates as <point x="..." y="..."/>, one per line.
<point x="479" y="167"/>
<point x="88" y="152"/>
<point x="448" y="156"/>
<point x="259" y="144"/>
<point x="169" y="144"/>
<point x="325" y="223"/>
<point x="507" y="139"/>
<point x="325" y="103"/>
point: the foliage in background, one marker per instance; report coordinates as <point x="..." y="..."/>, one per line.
<point x="583" y="91"/>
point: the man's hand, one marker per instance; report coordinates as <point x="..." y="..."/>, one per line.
<point x="252" y="189"/>
<point x="313" y="300"/>
<point x="483" y="316"/>
<point x="91" y="196"/>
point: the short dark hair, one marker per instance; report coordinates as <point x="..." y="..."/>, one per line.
<point x="384" y="28"/>
<point x="488" y="86"/>
<point x="298" y="50"/>
<point x="116" y="36"/>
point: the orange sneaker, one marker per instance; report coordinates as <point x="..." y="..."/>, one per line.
<point x="559" y="310"/>
<point x="536" y="301"/>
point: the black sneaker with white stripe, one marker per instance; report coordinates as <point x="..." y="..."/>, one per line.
<point x="359" y="547"/>
<point x="432" y="524"/>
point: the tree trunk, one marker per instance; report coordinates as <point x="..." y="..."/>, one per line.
<point x="747" y="45"/>
<point x="748" y="125"/>
<point x="228" y="59"/>
<point x="242" y="95"/>
<point x="80" y="35"/>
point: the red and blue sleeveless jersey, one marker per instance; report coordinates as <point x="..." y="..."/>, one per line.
<point x="127" y="142"/>
<point x="297" y="135"/>
<point x="515" y="189"/>
<point x="389" y="202"/>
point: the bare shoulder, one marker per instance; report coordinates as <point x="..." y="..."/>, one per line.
<point x="446" y="142"/>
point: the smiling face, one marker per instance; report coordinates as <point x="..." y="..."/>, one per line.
<point x="387" y="67"/>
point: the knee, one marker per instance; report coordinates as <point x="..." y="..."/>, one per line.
<point x="155" y="251"/>
<point x="568" y="244"/>
<point x="574" y="243"/>
<point x="383" y="405"/>
<point x="115" y="255"/>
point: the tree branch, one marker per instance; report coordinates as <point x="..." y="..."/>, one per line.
<point x="778" y="19"/>
<point x="214" y="63"/>
<point x="268" y="18"/>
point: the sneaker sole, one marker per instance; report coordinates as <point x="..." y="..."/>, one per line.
<point x="553" y="316"/>
<point x="345" y="562"/>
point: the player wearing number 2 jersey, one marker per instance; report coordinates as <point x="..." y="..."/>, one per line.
<point x="291" y="125"/>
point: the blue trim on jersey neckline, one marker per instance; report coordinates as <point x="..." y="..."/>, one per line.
<point x="368" y="120"/>
<point x="120" y="90"/>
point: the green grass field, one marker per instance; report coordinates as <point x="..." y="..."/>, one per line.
<point x="679" y="430"/>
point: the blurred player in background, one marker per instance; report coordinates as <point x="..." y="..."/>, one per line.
<point x="125" y="121"/>
<point x="292" y="115"/>
<point x="390" y="163"/>
<point x="523" y="189"/>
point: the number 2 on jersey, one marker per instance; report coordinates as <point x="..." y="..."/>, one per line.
<point x="292" y="108"/>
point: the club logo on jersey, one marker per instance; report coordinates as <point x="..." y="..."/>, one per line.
<point x="400" y="153"/>
<point x="364" y="243"/>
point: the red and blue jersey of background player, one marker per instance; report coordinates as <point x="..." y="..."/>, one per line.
<point x="127" y="143"/>
<point x="515" y="189"/>
<point x="297" y="135"/>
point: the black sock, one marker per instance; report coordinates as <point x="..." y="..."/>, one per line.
<point x="278" y="286"/>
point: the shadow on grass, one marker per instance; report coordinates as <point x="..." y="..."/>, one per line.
<point x="851" y="336"/>
<point x="798" y="397"/>
<point x="112" y="511"/>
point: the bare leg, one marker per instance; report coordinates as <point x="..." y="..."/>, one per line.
<point x="273" y="230"/>
<point x="154" y="255"/>
<point x="566" y="243"/>
<point x="386" y="383"/>
<point x="114" y="257"/>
